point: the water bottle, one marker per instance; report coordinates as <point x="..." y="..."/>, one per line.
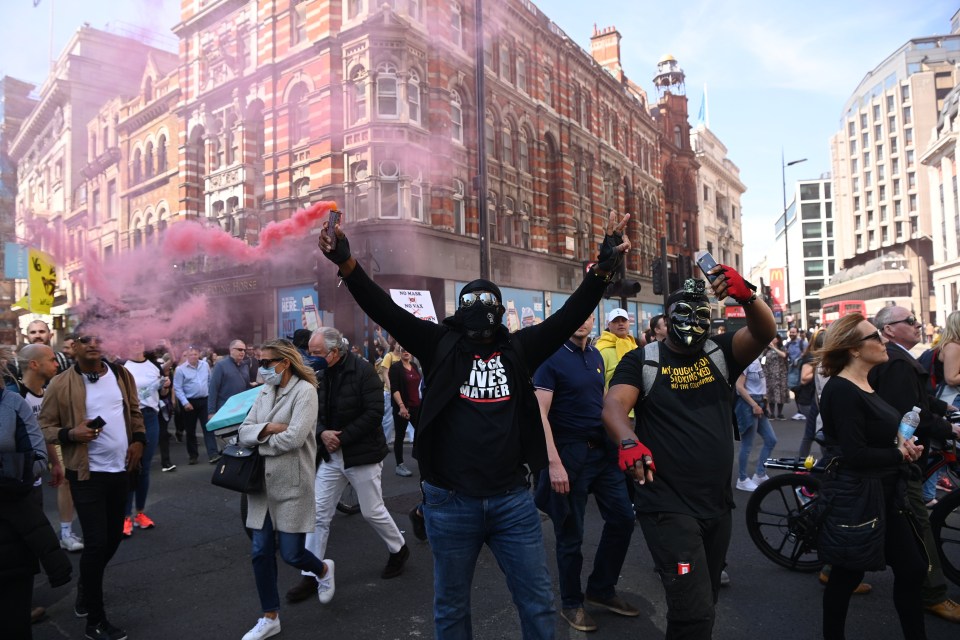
<point x="908" y="424"/>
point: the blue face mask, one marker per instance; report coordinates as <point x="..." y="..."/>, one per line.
<point x="317" y="363"/>
<point x="270" y="376"/>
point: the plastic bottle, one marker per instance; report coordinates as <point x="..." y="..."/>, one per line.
<point x="908" y="424"/>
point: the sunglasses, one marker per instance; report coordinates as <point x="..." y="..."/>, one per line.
<point x="873" y="336"/>
<point x="483" y="297"/>
<point x="266" y="362"/>
<point x="89" y="339"/>
<point x="239" y="349"/>
<point x="910" y="320"/>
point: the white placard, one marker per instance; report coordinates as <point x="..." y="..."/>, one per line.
<point x="419" y="303"/>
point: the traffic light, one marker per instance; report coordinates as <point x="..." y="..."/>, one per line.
<point x="622" y="287"/>
<point x="658" y="276"/>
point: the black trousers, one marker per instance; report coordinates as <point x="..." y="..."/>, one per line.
<point x="909" y="563"/>
<point x="16" y="594"/>
<point x="101" y="504"/>
<point x="400" y="430"/>
<point x="689" y="554"/>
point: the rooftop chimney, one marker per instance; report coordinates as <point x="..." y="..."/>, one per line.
<point x="605" y="48"/>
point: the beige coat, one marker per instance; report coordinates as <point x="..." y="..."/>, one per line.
<point x="289" y="457"/>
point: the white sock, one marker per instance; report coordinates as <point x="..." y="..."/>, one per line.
<point x="66" y="529"/>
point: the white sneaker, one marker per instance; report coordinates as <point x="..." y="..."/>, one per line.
<point x="264" y="628"/>
<point x="759" y="479"/>
<point x="325" y="585"/>
<point x="746" y="485"/>
<point x="798" y="416"/>
<point x="403" y="471"/>
<point x="71" y="543"/>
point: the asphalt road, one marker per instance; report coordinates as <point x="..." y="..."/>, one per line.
<point x="190" y="577"/>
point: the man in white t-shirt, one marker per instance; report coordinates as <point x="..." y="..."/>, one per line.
<point x="93" y="411"/>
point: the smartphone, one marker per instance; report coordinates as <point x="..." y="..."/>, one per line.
<point x="97" y="423"/>
<point x="332" y="223"/>
<point x="706" y="262"/>
<point x="310" y="313"/>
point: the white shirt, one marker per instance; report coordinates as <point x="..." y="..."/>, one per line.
<point x="108" y="451"/>
<point x="148" y="378"/>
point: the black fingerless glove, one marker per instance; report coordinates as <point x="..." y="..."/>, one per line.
<point x="340" y="253"/>
<point x="609" y="259"/>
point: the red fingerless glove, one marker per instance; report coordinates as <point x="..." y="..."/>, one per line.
<point x="741" y="290"/>
<point x="631" y="453"/>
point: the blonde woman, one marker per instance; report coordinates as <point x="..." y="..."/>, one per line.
<point x="949" y="357"/>
<point x="282" y="424"/>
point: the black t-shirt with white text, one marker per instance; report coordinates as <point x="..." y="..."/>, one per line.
<point x="478" y="450"/>
<point x="686" y="421"/>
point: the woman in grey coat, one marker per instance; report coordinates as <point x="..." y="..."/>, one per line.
<point x="282" y="423"/>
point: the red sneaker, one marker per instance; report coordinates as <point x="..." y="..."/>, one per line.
<point x="127" y="527"/>
<point x="143" y="522"/>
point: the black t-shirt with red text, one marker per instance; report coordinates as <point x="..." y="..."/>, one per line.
<point x="687" y="422"/>
<point x="478" y="449"/>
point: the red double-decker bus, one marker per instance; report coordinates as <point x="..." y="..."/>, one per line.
<point x="833" y="311"/>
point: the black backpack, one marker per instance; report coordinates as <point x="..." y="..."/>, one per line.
<point x="930" y="361"/>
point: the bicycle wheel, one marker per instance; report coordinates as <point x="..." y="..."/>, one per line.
<point x="780" y="521"/>
<point x="348" y="503"/>
<point x="945" y="522"/>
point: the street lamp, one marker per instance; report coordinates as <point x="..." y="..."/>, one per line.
<point x="786" y="228"/>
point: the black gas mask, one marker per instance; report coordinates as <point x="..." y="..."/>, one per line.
<point x="479" y="309"/>
<point x="690" y="314"/>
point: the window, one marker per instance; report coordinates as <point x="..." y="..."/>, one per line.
<point x="456" y="25"/>
<point x="908" y="136"/>
<point x="882" y="195"/>
<point x="907" y="115"/>
<point x="899" y="227"/>
<point x="893" y="145"/>
<point x="525" y="225"/>
<point x="459" y="209"/>
<point x="547" y="87"/>
<point x="885" y="235"/>
<point x="361" y="201"/>
<point x="810" y="191"/>
<point x="895" y="166"/>
<point x="863" y="121"/>
<point x="387" y="91"/>
<point x="507" y="144"/>
<point x="524" y="151"/>
<point x="876" y="112"/>
<point x="413" y="97"/>
<point x="905" y="92"/>
<point x="95" y="208"/>
<point x="505" y="63"/>
<point x="859" y="242"/>
<point x="889" y="103"/>
<point x="881" y="173"/>
<point x="911" y="180"/>
<point x="136" y="168"/>
<point x="897" y="208"/>
<point x="877" y="132"/>
<point x="357" y="96"/>
<point x="910" y="158"/>
<point x="389" y="189"/>
<point x="299" y="112"/>
<point x="162" y="154"/>
<point x="298" y="22"/>
<point x="854" y="165"/>
<point x="112" y="203"/>
<point x="866" y="159"/>
<point x="354" y="7"/>
<point x="521" y="74"/>
<point x="883" y="213"/>
<point x="416" y="197"/>
<point x="413" y="9"/>
<point x="892" y="124"/>
<point x="488" y="135"/>
<point x="488" y="50"/>
<point x="913" y="202"/>
<point x="456" y="117"/>
<point x="851" y="128"/>
<point x="853" y="147"/>
<point x="148" y="161"/>
<point x="865" y="139"/>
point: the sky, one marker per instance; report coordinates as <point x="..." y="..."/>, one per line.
<point x="777" y="73"/>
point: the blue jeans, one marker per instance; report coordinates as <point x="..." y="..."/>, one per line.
<point x="264" y="556"/>
<point x="152" y="424"/>
<point x="458" y="526"/>
<point x="591" y="470"/>
<point x="749" y="426"/>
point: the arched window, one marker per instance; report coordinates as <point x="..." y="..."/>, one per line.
<point x="489" y="138"/>
<point x="389" y="174"/>
<point x="413" y="97"/>
<point x="357" y="96"/>
<point x="456" y="117"/>
<point x="678" y="136"/>
<point x="524" y="151"/>
<point x="525" y="225"/>
<point x="137" y="238"/>
<point x="416" y="196"/>
<point x="161" y="223"/>
<point x="136" y="167"/>
<point x="456" y="25"/>
<point x="299" y="113"/>
<point x="459" y="209"/>
<point x="387" y="91"/>
<point x="507" y="220"/>
<point x="148" y="161"/>
<point x="162" y="154"/>
<point x="196" y="153"/>
<point x="506" y="145"/>
<point x="360" y="175"/>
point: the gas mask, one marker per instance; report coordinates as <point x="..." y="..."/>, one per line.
<point x="690" y="315"/>
<point x="479" y="310"/>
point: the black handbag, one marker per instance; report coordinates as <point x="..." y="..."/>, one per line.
<point x="853" y="521"/>
<point x="16" y="473"/>
<point x="239" y="469"/>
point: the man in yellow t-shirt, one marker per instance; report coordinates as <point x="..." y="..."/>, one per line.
<point x="615" y="342"/>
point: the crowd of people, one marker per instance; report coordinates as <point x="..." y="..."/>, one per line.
<point x="486" y="409"/>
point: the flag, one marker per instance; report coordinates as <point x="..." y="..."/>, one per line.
<point x="41" y="283"/>
<point x="702" y="116"/>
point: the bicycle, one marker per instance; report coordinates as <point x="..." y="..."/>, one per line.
<point x="781" y="515"/>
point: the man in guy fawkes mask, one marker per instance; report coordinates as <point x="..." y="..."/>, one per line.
<point x="681" y="392"/>
<point x="479" y="425"/>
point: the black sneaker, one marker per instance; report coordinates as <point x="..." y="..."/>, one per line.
<point x="105" y="631"/>
<point x="395" y="563"/>
<point x="179" y="436"/>
<point x="418" y="524"/>
<point x="80" y="604"/>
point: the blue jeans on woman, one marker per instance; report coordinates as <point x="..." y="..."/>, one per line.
<point x="458" y="526"/>
<point x="264" y="556"/>
<point x="152" y="424"/>
<point x="750" y="425"/>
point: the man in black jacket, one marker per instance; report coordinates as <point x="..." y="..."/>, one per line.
<point x="352" y="447"/>
<point x="479" y="425"/>
<point x="902" y="383"/>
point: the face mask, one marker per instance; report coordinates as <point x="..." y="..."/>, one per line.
<point x="270" y="376"/>
<point x="690" y="323"/>
<point x="479" y="320"/>
<point x="317" y="363"/>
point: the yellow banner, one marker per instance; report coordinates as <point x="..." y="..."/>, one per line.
<point x="41" y="283"/>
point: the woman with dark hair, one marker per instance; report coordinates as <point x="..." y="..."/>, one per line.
<point x="405" y="379"/>
<point x="808" y="379"/>
<point x="281" y="424"/>
<point x="774" y="360"/>
<point x="865" y="526"/>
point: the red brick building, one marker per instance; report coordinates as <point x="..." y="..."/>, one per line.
<point x="287" y="102"/>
